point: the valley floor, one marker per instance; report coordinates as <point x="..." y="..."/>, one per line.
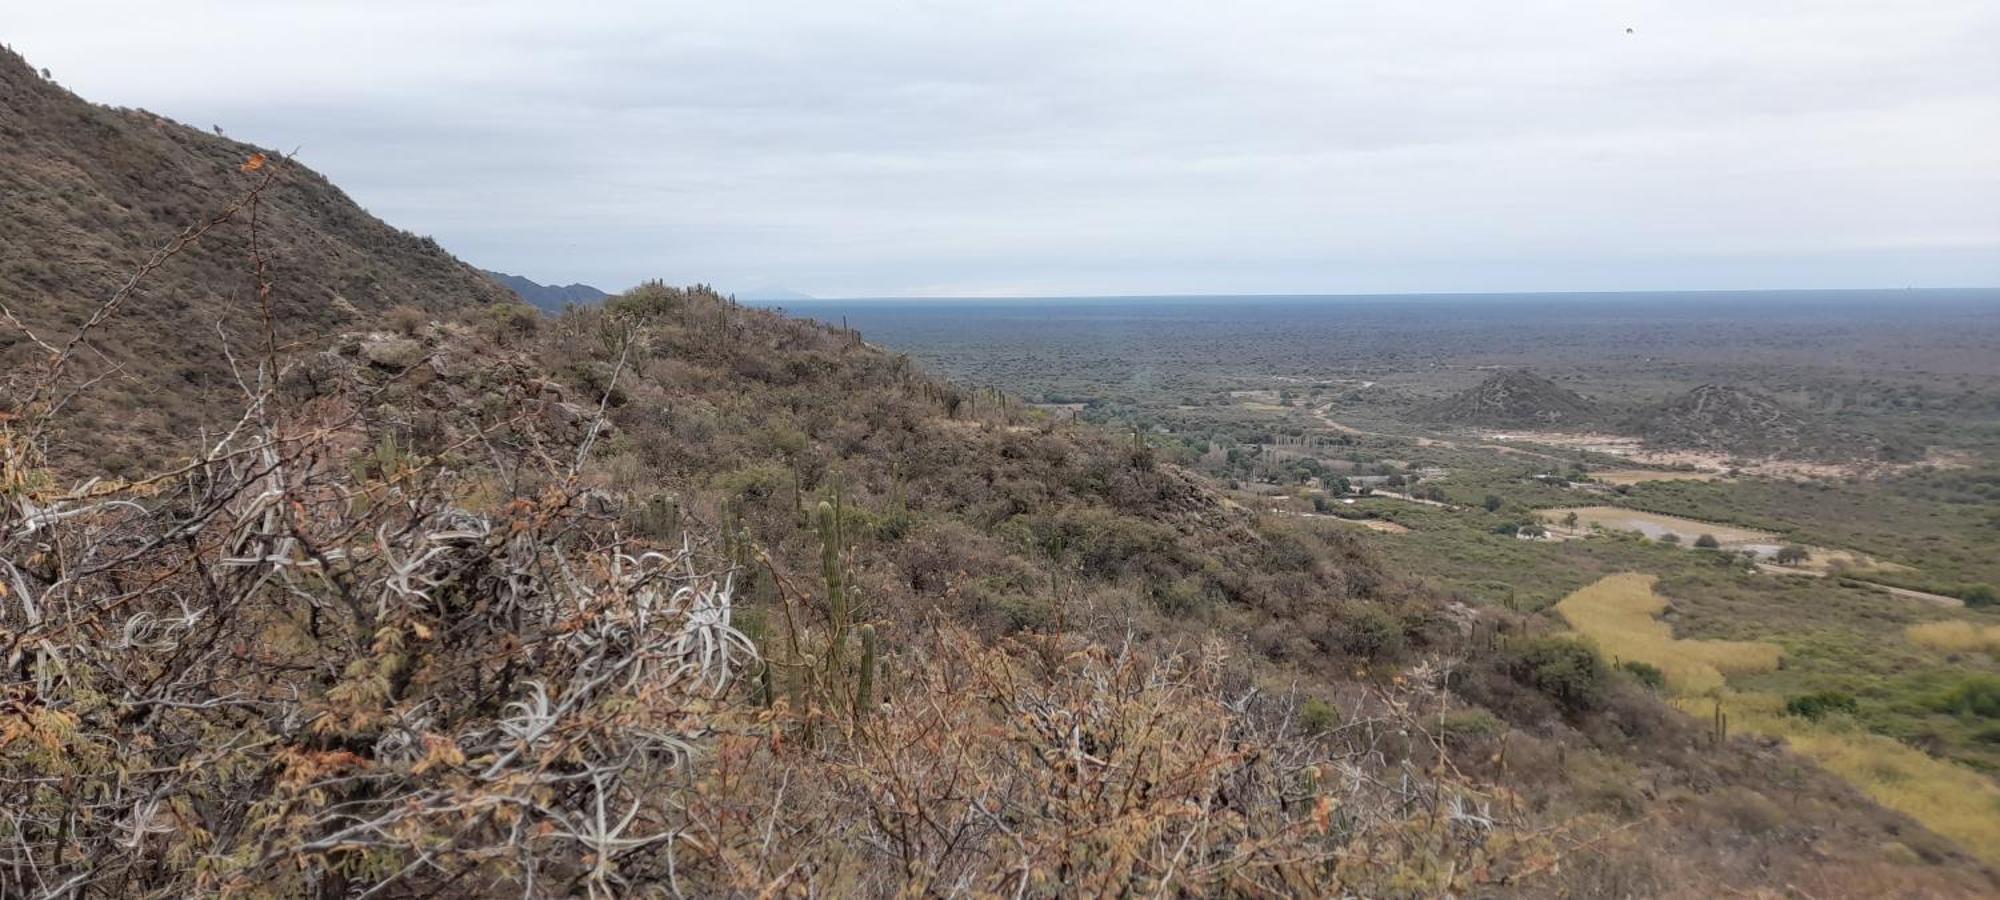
<point x="1842" y="604"/>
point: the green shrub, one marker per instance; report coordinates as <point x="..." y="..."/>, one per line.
<point x="646" y="301"/>
<point x="1317" y="716"/>
<point x="1977" y="696"/>
<point x="1645" y="673"/>
<point x="759" y="481"/>
<point x="1980" y="595"/>
<point x="1180" y="598"/>
<point x="505" y="322"/>
<point x="1370" y="633"/>
<point x="1567" y="671"/>
<point x="1471" y="724"/>
<point x="1819" y="703"/>
<point x="1707" y="542"/>
<point x="781" y="439"/>
<point x="1004" y="598"/>
<point x="1105" y="543"/>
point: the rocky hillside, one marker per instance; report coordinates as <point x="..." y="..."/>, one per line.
<point x="549" y="298"/>
<point x="1514" y="398"/>
<point x="92" y="192"/>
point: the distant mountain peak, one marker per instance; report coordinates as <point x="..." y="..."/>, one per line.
<point x="547" y="297"/>
<point x="1724" y="417"/>
<point x="1515" y="398"/>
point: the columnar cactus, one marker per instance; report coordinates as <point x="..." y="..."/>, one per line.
<point x="661" y="518"/>
<point x="831" y="543"/>
<point x="864" y="691"/>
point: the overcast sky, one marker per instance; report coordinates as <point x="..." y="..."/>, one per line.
<point x="1158" y="146"/>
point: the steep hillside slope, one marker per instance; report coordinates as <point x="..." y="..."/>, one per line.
<point x="549" y="298"/>
<point x="91" y="192"/>
<point x="1514" y="398"/>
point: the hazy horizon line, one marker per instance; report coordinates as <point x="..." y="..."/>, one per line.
<point x="930" y="298"/>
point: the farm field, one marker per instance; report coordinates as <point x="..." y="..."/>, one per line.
<point x="1618" y="612"/>
<point x="1674" y="529"/>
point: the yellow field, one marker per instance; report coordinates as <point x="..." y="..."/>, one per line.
<point x="1947" y="798"/>
<point x="1955" y="636"/>
<point x="1617" y="612"/>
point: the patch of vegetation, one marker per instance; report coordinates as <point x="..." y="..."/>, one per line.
<point x="1645" y="673"/>
<point x="1819" y="704"/>
<point x="1977" y="696"/>
<point x="1568" y="671"/>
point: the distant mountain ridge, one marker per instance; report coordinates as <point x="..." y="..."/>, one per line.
<point x="1515" y="398"/>
<point x="550" y="298"/>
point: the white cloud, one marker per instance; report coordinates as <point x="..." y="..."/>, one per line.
<point x="1127" y="147"/>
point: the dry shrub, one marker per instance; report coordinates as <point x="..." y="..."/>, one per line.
<point x="278" y="673"/>
<point x="1054" y="765"/>
<point x="407" y="321"/>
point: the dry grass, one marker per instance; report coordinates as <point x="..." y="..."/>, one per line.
<point x="1618" y="611"/>
<point x="1955" y="636"/>
<point x="1947" y="798"/>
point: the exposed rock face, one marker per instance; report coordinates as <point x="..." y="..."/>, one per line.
<point x="1515" y="398"/>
